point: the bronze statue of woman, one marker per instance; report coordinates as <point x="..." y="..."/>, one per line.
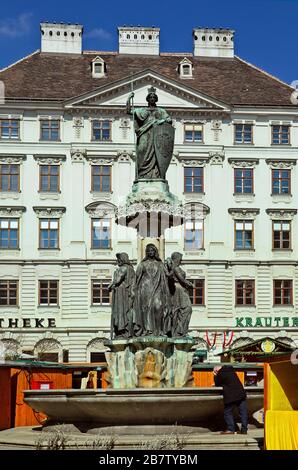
<point x="152" y="306"/>
<point x="181" y="304"/>
<point x="154" y="147"/>
<point x="122" y="288"/>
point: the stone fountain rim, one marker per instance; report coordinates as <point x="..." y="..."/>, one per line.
<point x="197" y="391"/>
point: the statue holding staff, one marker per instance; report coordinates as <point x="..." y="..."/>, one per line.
<point x="155" y="137"/>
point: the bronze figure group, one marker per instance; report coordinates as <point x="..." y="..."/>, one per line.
<point x="154" y="300"/>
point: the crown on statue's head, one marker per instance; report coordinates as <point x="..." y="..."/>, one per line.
<point x="151" y="90"/>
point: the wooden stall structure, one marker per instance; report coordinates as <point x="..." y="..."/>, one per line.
<point x="261" y="350"/>
<point x="249" y="374"/>
<point x="16" y="376"/>
<point x="281" y="404"/>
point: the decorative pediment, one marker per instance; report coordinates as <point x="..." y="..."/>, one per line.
<point x="238" y="213"/>
<point x="101" y="209"/>
<point x="171" y="94"/>
<point x="192" y="159"/>
<point x="12" y="211"/>
<point x="42" y="211"/>
<point x="282" y="164"/>
<point x="195" y="210"/>
<point x="243" y="162"/>
<point x="7" y="158"/>
<point x="281" y="214"/>
<point x="49" y="159"/>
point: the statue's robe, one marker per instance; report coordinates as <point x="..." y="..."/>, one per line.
<point x="145" y="119"/>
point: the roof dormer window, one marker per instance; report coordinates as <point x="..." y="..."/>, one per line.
<point x="98" y="67"/>
<point x="185" y="68"/>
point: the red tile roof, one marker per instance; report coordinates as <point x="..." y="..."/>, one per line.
<point x="62" y="76"/>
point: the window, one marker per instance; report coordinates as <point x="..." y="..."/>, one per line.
<point x="101" y="130"/>
<point x="281" y="181"/>
<point x="194" y="180"/>
<point x="10" y="178"/>
<point x="48" y="234"/>
<point x="49" y="129"/>
<point x="197" y="294"/>
<point x="281" y="235"/>
<point x="243" y="234"/>
<point x="101" y="233"/>
<point x="9" y="129"/>
<point x="100" y="292"/>
<point x="243" y="133"/>
<point x="280" y="135"/>
<point x="283" y="292"/>
<point x="243" y="181"/>
<point x="48" y="293"/>
<point x="9" y="234"/>
<point x="98" y="67"/>
<point x="8" y="293"/>
<point x="193" y="133"/>
<point x="49" y="178"/>
<point x="48" y="357"/>
<point x="245" y="292"/>
<point x="97" y="357"/>
<point x="185" y="68"/>
<point x="194" y="235"/>
<point x="101" y="178"/>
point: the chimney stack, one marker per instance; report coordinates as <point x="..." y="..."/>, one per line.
<point x="213" y="42"/>
<point x="61" y="38"/>
<point x="138" y="40"/>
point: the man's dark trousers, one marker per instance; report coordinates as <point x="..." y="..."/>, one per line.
<point x="229" y="418"/>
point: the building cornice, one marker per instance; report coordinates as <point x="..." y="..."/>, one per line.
<point x="101" y="209"/>
<point x="7" y="158"/>
<point x="281" y="163"/>
<point x="43" y="211"/>
<point x="238" y="162"/>
<point x="12" y="211"/>
<point x="279" y="214"/>
<point x="243" y="213"/>
<point x="49" y="159"/>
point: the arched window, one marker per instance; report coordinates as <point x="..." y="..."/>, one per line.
<point x="49" y="350"/>
<point x="95" y="351"/>
<point x="9" y="349"/>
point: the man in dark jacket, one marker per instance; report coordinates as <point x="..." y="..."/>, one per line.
<point x="233" y="395"/>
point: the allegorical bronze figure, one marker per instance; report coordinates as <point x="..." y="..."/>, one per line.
<point x="155" y="138"/>
<point x="179" y="290"/>
<point x="122" y="288"/>
<point x="152" y="307"/>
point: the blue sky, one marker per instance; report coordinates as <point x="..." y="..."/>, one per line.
<point x="266" y="30"/>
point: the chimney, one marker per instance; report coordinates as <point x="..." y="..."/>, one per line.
<point x="61" y="38"/>
<point x="211" y="42"/>
<point x="138" y="40"/>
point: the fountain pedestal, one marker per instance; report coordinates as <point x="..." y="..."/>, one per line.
<point x="150" y="362"/>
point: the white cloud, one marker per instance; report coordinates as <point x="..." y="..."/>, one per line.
<point x="16" y="27"/>
<point x="98" y="33"/>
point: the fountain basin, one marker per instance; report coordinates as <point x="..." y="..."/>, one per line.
<point x="156" y="406"/>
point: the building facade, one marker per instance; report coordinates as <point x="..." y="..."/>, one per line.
<point x="67" y="154"/>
